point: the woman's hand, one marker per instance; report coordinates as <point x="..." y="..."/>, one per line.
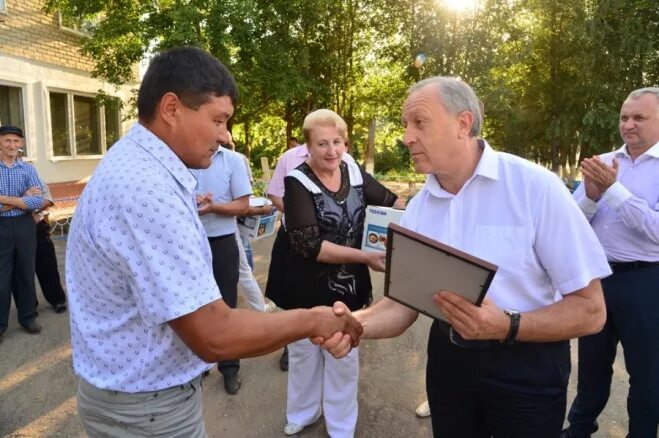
<point x="375" y="260"/>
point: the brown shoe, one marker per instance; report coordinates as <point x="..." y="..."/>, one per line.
<point x="32" y="327"/>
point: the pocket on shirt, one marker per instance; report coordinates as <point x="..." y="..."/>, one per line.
<point x="502" y="245"/>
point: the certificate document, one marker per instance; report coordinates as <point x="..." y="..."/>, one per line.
<point x="419" y="267"/>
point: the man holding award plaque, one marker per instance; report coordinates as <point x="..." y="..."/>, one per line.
<point x="501" y="368"/>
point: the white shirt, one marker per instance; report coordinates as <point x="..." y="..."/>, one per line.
<point x="137" y="257"/>
<point x="520" y="217"/>
<point x="626" y="218"/>
<point x="226" y="179"/>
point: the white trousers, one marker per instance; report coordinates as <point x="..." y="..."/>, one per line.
<point x="247" y="282"/>
<point x="316" y="380"/>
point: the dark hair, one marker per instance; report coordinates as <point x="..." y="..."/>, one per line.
<point x="189" y="72"/>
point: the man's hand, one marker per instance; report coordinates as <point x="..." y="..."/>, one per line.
<point x="337" y="319"/>
<point x="32" y="191"/>
<point x="593" y="192"/>
<point x="339" y="344"/>
<point x="376" y="260"/>
<point x="598" y="177"/>
<point x="204" y="203"/>
<point x="486" y="322"/>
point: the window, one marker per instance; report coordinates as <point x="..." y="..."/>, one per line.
<point x="86" y="126"/>
<point x="79" y="26"/>
<point x="80" y="126"/>
<point x="3" y="6"/>
<point x="59" y="117"/>
<point x="11" y="105"/>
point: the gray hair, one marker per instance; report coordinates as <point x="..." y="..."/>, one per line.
<point x="456" y="96"/>
<point x="641" y="91"/>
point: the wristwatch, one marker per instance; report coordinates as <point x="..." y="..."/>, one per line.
<point x="514" y="326"/>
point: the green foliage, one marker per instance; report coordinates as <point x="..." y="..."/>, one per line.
<point x="551" y="75"/>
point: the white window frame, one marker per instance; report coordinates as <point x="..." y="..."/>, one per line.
<point x="3" y="6"/>
<point x="71" y="126"/>
<point x="74" y="30"/>
<point x="31" y="150"/>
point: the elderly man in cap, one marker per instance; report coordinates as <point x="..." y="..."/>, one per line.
<point x="20" y="195"/>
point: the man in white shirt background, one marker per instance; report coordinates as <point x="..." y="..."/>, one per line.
<point x="620" y="198"/>
<point x="222" y="194"/>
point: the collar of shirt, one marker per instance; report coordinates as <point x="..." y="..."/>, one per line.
<point x="148" y="141"/>
<point x="652" y="152"/>
<point x="16" y="163"/>
<point x="220" y="150"/>
<point x="487" y="167"/>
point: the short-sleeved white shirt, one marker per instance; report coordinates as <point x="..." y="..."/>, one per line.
<point x="226" y="179"/>
<point x="137" y="257"/>
<point x="520" y="217"/>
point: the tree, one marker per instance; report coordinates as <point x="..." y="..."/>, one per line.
<point x="551" y="75"/>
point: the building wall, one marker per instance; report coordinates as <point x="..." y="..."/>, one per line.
<point x="38" y="57"/>
<point x="28" y="32"/>
<point x="36" y="80"/>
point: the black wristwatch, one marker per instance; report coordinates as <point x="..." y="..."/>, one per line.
<point x="514" y="326"/>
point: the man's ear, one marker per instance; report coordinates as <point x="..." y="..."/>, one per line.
<point x="168" y="108"/>
<point x="465" y="121"/>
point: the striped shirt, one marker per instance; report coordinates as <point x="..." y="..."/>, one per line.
<point x="15" y="180"/>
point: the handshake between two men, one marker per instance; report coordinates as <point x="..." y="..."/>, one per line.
<point x="388" y="319"/>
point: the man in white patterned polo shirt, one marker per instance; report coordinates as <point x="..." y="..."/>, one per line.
<point x="146" y="314"/>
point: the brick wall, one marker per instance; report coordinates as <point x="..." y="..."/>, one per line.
<point x="28" y="32"/>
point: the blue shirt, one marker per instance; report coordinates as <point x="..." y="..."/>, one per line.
<point x="15" y="180"/>
<point x="226" y="179"/>
<point x="137" y="257"/>
<point x="626" y="218"/>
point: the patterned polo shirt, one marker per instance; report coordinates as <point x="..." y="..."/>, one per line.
<point x="137" y="257"/>
<point x="15" y="180"/>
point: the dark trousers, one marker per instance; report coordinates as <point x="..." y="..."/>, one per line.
<point x="18" y="245"/>
<point x="225" y="271"/>
<point x="518" y="391"/>
<point x="632" y="301"/>
<point x="46" y="266"/>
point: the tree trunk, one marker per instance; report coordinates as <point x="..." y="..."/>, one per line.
<point x="369" y="159"/>
<point x="288" y="118"/>
<point x="248" y="139"/>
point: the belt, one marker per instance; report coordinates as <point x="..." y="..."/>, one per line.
<point x="617" y="267"/>
<point x="226" y="236"/>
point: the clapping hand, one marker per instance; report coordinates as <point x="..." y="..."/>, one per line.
<point x="598" y="177"/>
